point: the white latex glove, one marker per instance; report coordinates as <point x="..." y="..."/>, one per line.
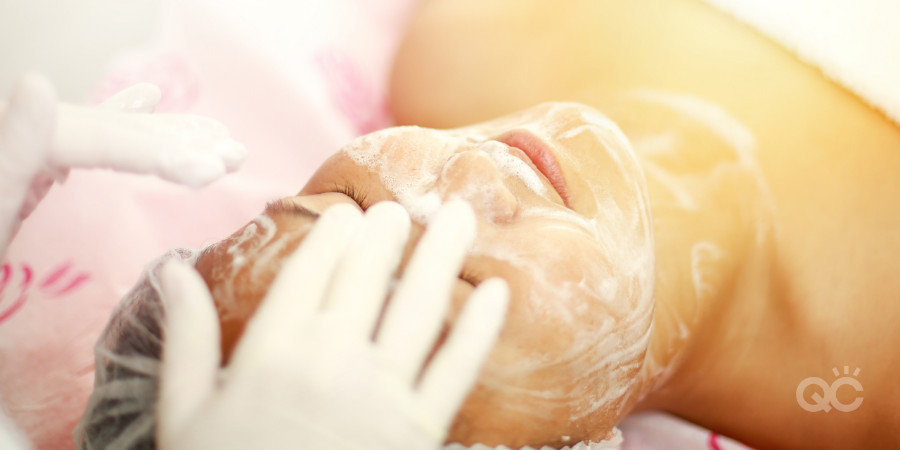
<point x="40" y="140"/>
<point x="306" y="374"/>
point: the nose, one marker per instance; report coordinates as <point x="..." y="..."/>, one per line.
<point x="472" y="176"/>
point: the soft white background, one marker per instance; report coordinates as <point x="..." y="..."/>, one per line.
<point x="69" y="41"/>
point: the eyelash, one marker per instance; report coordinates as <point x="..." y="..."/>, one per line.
<point x="470" y="277"/>
<point x="357" y="196"/>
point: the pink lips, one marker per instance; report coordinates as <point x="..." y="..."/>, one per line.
<point x="541" y="155"/>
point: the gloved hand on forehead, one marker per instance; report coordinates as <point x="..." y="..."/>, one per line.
<point x="41" y="139"/>
<point x="307" y="372"/>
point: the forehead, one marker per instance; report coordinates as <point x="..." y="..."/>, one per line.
<point x="267" y="238"/>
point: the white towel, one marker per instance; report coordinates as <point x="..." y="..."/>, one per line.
<point x="854" y="42"/>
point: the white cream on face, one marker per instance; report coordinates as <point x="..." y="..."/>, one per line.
<point x="410" y="161"/>
<point x="254" y="235"/>
<point x="259" y="238"/>
<point x="588" y="276"/>
<point x="512" y="165"/>
<point x="615" y="261"/>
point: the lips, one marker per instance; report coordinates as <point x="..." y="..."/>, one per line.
<point x="541" y="155"/>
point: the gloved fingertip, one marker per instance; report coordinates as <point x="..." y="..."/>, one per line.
<point x="26" y="133"/>
<point x="341" y="213"/>
<point x="459" y="208"/>
<point x="34" y="85"/>
<point x="172" y="276"/>
<point x="233" y="154"/>
<point x="496" y="288"/>
<point x="149" y="92"/>
<point x="393" y="216"/>
<point x="194" y="170"/>
<point x="34" y="99"/>
<point x="190" y="357"/>
<point x="457" y="215"/>
<point x="139" y="98"/>
<point x="187" y="299"/>
<point x="492" y="296"/>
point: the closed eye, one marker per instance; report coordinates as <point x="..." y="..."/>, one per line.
<point x="471" y="277"/>
<point x="355" y="194"/>
<point x="286" y="207"/>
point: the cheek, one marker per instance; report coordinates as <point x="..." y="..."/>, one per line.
<point x="574" y="335"/>
<point x="235" y="291"/>
<point x="558" y="285"/>
<point x="239" y="270"/>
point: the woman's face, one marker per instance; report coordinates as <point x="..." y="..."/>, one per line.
<point x="563" y="216"/>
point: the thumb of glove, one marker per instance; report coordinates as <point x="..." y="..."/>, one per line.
<point x="26" y="130"/>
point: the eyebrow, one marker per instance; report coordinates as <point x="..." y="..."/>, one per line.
<point x="285" y="206"/>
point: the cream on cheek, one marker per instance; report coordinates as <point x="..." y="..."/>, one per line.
<point x="258" y="247"/>
<point x="582" y="317"/>
<point x="470" y="175"/>
<point x="587" y="280"/>
<point x="272" y="244"/>
<point x="408" y="164"/>
<point x="610" y="262"/>
<point x="256" y="235"/>
<point x="423" y="167"/>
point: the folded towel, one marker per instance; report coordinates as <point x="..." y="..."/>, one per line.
<point x="854" y="42"/>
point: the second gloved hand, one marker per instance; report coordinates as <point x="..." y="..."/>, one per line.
<point x="41" y="139"/>
<point x="307" y="373"/>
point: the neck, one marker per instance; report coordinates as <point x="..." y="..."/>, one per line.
<point x="713" y="230"/>
<point x="712" y="304"/>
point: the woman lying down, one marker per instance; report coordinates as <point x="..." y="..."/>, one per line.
<point x="703" y="266"/>
<point x="622" y="262"/>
